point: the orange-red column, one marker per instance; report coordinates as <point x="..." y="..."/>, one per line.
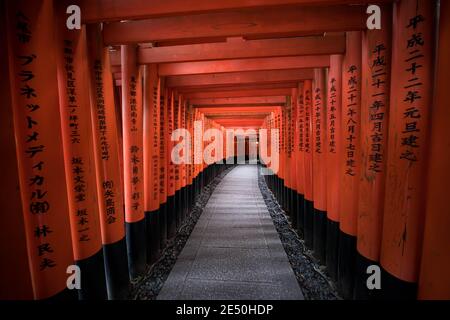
<point x="31" y="47"/>
<point x="308" y="164"/>
<point x="351" y="166"/>
<point x="109" y="184"/>
<point x="177" y="167"/>
<point x="293" y="140"/>
<point x="376" y="70"/>
<point x="190" y="166"/>
<point x="300" y="147"/>
<point x="163" y="126"/>
<point x="281" y="128"/>
<point x="183" y="167"/>
<point x="151" y="161"/>
<point x="333" y="162"/>
<point x="197" y="133"/>
<point x="74" y="102"/>
<point x="286" y="160"/>
<point x="286" y="111"/>
<point x="274" y="145"/>
<point x="133" y="158"/>
<point x="290" y="171"/>
<point x="15" y="277"/>
<point x="201" y="144"/>
<point x="171" y="214"/>
<point x="280" y="174"/>
<point x="203" y="164"/>
<point x="411" y="104"/>
<point x="434" y="281"/>
<point x="319" y="168"/>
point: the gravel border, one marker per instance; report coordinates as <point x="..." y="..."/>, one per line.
<point x="311" y="276"/>
<point x="148" y="286"/>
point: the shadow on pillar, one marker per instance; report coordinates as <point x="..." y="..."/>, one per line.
<point x="153" y="236"/>
<point x="93" y="281"/>
<point x="346" y="264"/>
<point x="308" y="223"/>
<point x="116" y="269"/>
<point x="320" y="234"/>
<point x="136" y="247"/>
<point x="332" y="249"/>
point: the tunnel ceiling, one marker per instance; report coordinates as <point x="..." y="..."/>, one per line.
<point x="235" y="60"/>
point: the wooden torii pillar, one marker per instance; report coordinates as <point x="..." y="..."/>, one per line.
<point x="434" y="280"/>
<point x="79" y="158"/>
<point x="108" y="168"/>
<point x="299" y="150"/>
<point x="375" y="107"/>
<point x="171" y="214"/>
<point x="41" y="172"/>
<point x="308" y="224"/>
<point x="133" y="157"/>
<point x="294" y="153"/>
<point x="411" y="104"/>
<point x="319" y="164"/>
<point x="334" y="148"/>
<point x="351" y="162"/>
<point x="15" y="276"/>
<point x="162" y="102"/>
<point x="151" y="160"/>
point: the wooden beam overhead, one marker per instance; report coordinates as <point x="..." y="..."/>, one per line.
<point x="241" y="107"/>
<point x="283" y="47"/>
<point x="276" y="100"/>
<point x="240" y="122"/>
<point x="116" y="10"/>
<point x="114" y="57"/>
<point x="251" y="105"/>
<point x="232" y="109"/>
<point x="237" y="120"/>
<point x="116" y="68"/>
<point x="237" y="116"/>
<point x="237" y="87"/>
<point x="233" y="78"/>
<point x="285" y="86"/>
<point x="238" y="93"/>
<point x="295" y="20"/>
<point x="232" y="127"/>
<point x="224" y="66"/>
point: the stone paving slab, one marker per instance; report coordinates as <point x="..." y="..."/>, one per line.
<point x="234" y="251"/>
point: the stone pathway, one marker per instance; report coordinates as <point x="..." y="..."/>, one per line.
<point x="234" y="252"/>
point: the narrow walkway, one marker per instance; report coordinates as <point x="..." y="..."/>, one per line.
<point x="234" y="251"/>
